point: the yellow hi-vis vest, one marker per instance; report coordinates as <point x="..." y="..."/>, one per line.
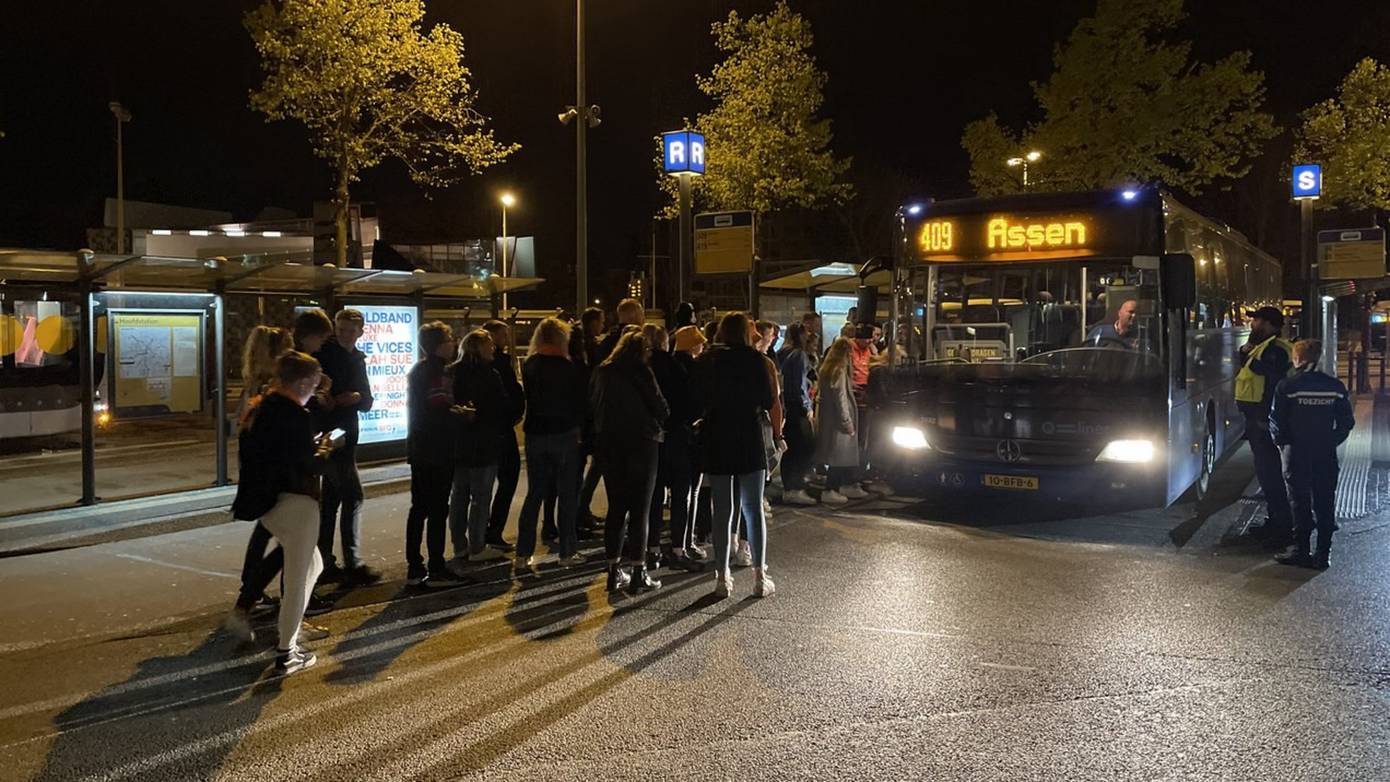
<point x="1250" y="385"/>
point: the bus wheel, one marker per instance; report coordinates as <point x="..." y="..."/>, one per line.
<point x="1208" y="462"/>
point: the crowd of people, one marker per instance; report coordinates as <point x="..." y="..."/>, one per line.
<point x="697" y="418"/>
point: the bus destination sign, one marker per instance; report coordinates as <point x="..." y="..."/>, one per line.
<point x="1037" y="236"/>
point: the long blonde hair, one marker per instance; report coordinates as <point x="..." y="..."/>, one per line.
<point x="835" y="365"/>
<point x="551" y="331"/>
<point x="264" y="345"/>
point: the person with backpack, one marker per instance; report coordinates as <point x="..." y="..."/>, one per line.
<point x="281" y="456"/>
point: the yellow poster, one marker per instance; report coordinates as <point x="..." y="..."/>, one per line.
<point x="158" y="362"/>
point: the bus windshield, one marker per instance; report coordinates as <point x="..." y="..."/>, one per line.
<point x="1068" y="317"/>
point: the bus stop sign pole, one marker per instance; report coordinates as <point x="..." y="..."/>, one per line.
<point x="1306" y="182"/>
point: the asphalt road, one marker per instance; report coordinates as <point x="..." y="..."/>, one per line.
<point x="996" y="647"/>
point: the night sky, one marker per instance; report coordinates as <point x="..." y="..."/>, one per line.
<point x="905" y="77"/>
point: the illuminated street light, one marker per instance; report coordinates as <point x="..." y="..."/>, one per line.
<point x="1032" y="156"/>
<point x="507" y="200"/>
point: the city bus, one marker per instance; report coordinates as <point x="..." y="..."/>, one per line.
<point x="1077" y="347"/>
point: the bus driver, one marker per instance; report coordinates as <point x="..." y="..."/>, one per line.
<point x="1123" y="330"/>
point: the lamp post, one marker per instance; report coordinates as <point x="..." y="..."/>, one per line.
<point x="122" y="115"/>
<point x="507" y="200"/>
<point x="1031" y="157"/>
<point x="588" y="117"/>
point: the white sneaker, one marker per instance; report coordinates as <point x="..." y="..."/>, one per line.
<point x="853" y="492"/>
<point x="832" y="497"/>
<point x="762" y="584"/>
<point x="293" y="661"/>
<point x="573" y="560"/>
<point x="723" y="584"/>
<point x="798" y="497"/>
<point x="238" y="623"/>
<point x="696" y="552"/>
<point x="743" y="555"/>
<point x="767" y="506"/>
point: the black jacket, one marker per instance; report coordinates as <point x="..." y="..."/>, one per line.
<point x="1312" y="414"/>
<point x="516" y="396"/>
<point x="478" y="438"/>
<point x="605" y="346"/>
<point x="277" y="455"/>
<point x="429" y="401"/>
<point x="672" y="373"/>
<point x="347" y="368"/>
<point x="734" y="388"/>
<point x="628" y="407"/>
<point x="555" y="395"/>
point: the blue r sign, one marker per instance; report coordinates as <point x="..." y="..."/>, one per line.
<point x="683" y="152"/>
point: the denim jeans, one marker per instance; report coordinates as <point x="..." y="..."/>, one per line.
<point x="748" y="487"/>
<point x="551" y="470"/>
<point x="342" y="487"/>
<point x="470" y="507"/>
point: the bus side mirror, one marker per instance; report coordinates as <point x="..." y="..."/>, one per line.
<point x="1178" y="274"/>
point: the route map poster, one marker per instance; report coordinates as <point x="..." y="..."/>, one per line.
<point x="158" y="363"/>
<point x="389" y="340"/>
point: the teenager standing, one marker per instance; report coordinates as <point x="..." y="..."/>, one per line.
<point x="280" y="457"/>
<point x="430" y="450"/>
<point x="628" y="413"/>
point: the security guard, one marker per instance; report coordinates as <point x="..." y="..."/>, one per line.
<point x="1266" y="364"/>
<point x="1311" y="417"/>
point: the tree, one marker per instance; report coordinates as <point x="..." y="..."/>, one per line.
<point x="767" y="148"/>
<point x="369" y="85"/>
<point x="1125" y="103"/>
<point x="1350" y="136"/>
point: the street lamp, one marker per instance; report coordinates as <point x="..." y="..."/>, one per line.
<point x="122" y="115"/>
<point x="589" y="117"/>
<point x="507" y="200"/>
<point x="1031" y="157"/>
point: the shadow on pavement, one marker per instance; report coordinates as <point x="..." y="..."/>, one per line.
<point x="111" y="728"/>
<point x="394" y="621"/>
<point x="481" y="754"/>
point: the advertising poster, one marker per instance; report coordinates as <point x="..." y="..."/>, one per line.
<point x="389" y="342"/>
<point x="159" y="362"/>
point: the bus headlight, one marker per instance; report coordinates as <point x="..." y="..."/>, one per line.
<point x="910" y="437"/>
<point x="1127" y="452"/>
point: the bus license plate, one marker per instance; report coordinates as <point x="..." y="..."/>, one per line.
<point x="1026" y="482"/>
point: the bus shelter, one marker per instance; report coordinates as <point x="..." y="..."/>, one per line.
<point x="830" y="289"/>
<point x="120" y="375"/>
